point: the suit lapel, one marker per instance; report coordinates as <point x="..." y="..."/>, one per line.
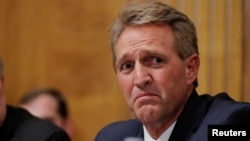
<point x="190" y="118"/>
<point x="139" y="131"/>
<point x="133" y="128"/>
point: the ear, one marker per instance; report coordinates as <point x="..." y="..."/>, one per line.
<point x="192" y="63"/>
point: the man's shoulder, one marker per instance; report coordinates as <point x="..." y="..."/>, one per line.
<point x="120" y="130"/>
<point x="221" y="109"/>
<point x="33" y="128"/>
<point x="121" y="126"/>
<point x="224" y="101"/>
<point x="225" y="110"/>
<point x="132" y="123"/>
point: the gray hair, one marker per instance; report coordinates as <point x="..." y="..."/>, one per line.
<point x="152" y="12"/>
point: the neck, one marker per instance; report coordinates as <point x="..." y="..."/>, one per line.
<point x="156" y="129"/>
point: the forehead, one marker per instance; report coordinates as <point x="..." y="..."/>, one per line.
<point x="146" y="31"/>
<point x="43" y="106"/>
<point x="45" y="100"/>
<point x="145" y="36"/>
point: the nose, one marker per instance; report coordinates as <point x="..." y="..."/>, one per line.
<point x="142" y="77"/>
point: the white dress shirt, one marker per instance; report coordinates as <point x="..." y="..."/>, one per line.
<point x="164" y="136"/>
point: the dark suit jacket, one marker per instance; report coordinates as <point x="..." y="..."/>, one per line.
<point x="19" y="125"/>
<point x="192" y="124"/>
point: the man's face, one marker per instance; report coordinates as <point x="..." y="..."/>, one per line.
<point x="154" y="80"/>
<point x="45" y="107"/>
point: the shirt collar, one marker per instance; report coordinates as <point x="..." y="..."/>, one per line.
<point x="164" y="136"/>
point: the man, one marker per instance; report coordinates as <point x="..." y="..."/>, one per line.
<point x="17" y="124"/>
<point x="155" y="57"/>
<point x="48" y="104"/>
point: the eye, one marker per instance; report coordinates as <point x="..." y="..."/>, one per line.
<point x="126" y="66"/>
<point x="157" y="60"/>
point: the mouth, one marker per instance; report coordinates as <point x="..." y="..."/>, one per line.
<point x="144" y="96"/>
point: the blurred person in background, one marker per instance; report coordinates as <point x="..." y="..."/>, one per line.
<point x="16" y="124"/>
<point x="48" y="104"/>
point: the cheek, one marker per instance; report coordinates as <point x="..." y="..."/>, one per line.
<point x="173" y="86"/>
<point x="126" y="85"/>
<point x="170" y="81"/>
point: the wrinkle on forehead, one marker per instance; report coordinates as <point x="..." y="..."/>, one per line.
<point x="137" y="35"/>
<point x="134" y="46"/>
<point x="143" y="43"/>
<point x="143" y="37"/>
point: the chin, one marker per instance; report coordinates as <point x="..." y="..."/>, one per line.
<point x="147" y="114"/>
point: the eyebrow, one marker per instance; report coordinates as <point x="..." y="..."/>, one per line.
<point x="120" y="59"/>
<point x="144" y="52"/>
<point x="153" y="53"/>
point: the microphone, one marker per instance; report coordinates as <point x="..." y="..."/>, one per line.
<point x="133" y="139"/>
